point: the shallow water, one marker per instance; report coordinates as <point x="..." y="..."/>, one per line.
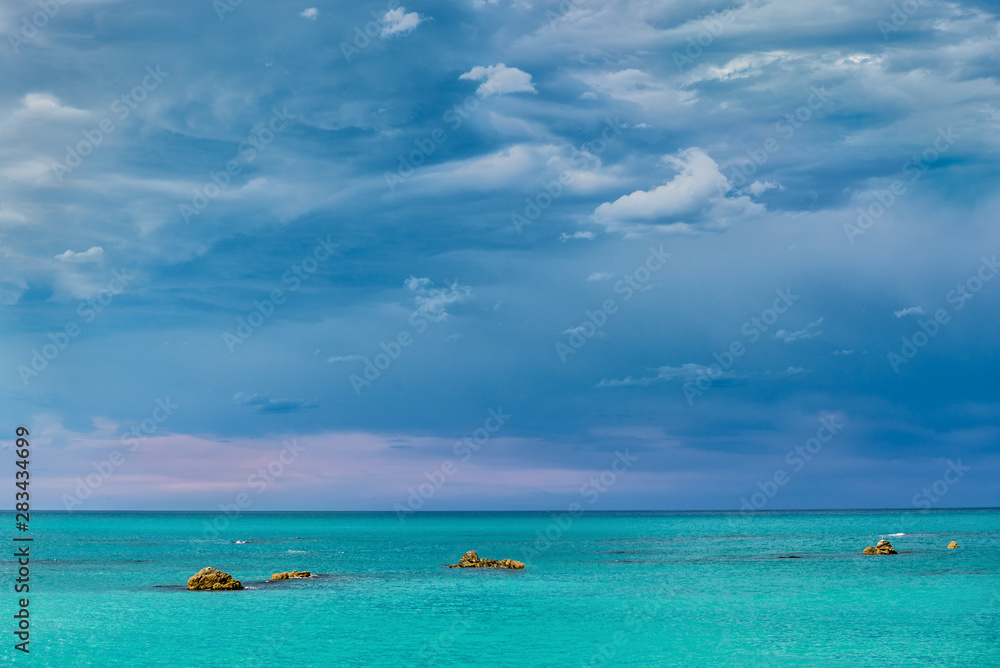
<point x="629" y="589"/>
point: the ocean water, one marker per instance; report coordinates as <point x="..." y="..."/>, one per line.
<point x="608" y="589"/>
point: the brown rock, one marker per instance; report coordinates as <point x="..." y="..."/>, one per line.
<point x="471" y="560"/>
<point x="468" y="560"/>
<point x="210" y="578"/>
<point x="884" y="547"/>
<point x="952" y="545"/>
<point x="293" y="574"/>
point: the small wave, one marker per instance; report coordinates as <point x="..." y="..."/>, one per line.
<point x="242" y="542"/>
<point x="297" y="551"/>
<point x="901" y="534"/>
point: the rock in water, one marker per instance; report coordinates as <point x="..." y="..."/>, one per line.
<point x="471" y="560"/>
<point x="884" y="547"/>
<point x="210" y="578"/>
<point x="952" y="545"/>
<point x="293" y="574"/>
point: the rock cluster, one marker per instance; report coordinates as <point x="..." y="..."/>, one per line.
<point x="293" y="574"/>
<point x="471" y="560"/>
<point x="883" y="547"/>
<point x="952" y="545"/>
<point x="210" y="578"/>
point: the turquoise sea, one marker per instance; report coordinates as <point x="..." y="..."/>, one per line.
<point x="606" y="589"/>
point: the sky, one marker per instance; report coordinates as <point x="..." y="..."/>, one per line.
<point x="501" y="255"/>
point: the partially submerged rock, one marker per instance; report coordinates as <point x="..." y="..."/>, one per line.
<point x="952" y="545"/>
<point x="471" y="560"/>
<point x="293" y="574"/>
<point x="882" y="547"/>
<point x="210" y="578"/>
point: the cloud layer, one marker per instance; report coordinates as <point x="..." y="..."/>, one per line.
<point x="443" y="200"/>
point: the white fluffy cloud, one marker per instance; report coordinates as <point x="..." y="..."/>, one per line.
<point x="697" y="181"/>
<point x="46" y="105"/>
<point x="345" y="358"/>
<point x="757" y="188"/>
<point x="310" y="13"/>
<point x="808" y="332"/>
<point x="696" y="195"/>
<point x="500" y="80"/>
<point x="92" y="254"/>
<point x="432" y="301"/>
<point x="398" y="22"/>
<point x="579" y="234"/>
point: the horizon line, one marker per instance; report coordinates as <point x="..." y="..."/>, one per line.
<point x="555" y="510"/>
